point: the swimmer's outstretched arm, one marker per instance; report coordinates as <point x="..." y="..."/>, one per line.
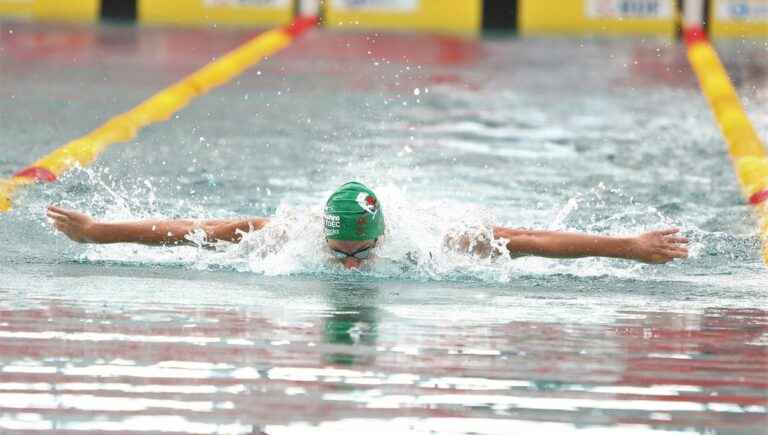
<point x="84" y="229"/>
<point x="654" y="247"/>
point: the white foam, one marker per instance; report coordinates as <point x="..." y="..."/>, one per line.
<point x="413" y="247"/>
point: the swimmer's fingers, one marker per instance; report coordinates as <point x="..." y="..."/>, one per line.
<point x="662" y="246"/>
<point x="61" y="226"/>
<point x="56" y="216"/>
<point x="662" y="256"/>
<point x="64" y="211"/>
<point x="65" y="214"/>
<point x="70" y="229"/>
<point x="677" y="253"/>
<point x="667" y="232"/>
<point x="56" y="209"/>
<point x="669" y="238"/>
<point x="73" y="224"/>
<point x="59" y="221"/>
<point x="677" y="240"/>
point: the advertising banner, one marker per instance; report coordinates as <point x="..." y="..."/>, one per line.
<point x="445" y="16"/>
<point x="739" y="19"/>
<point x="248" y="3"/>
<point x="604" y="17"/>
<point x="208" y="12"/>
<point x="621" y="9"/>
<point x="376" y="5"/>
<point x="742" y="10"/>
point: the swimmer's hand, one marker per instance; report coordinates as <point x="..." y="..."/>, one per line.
<point x="75" y="225"/>
<point x="658" y="247"/>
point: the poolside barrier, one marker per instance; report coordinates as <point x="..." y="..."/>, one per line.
<point x="744" y="145"/>
<point x="84" y="150"/>
<point x="724" y="18"/>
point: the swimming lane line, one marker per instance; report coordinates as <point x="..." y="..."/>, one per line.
<point x="159" y="107"/>
<point x="747" y="151"/>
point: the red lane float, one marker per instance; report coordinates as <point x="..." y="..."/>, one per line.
<point x="758" y="197"/>
<point x="36" y="173"/>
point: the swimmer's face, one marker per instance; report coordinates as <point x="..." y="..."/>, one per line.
<point x="351" y="253"/>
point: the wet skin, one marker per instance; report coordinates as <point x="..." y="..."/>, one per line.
<point x="653" y="247"/>
<point x="350" y="247"/>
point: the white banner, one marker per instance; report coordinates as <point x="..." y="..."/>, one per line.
<point x="743" y="10"/>
<point x="376" y="5"/>
<point x="645" y="9"/>
<point x="249" y="3"/>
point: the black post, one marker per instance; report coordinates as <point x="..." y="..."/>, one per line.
<point x="119" y="10"/>
<point x="705" y="18"/>
<point x="500" y="15"/>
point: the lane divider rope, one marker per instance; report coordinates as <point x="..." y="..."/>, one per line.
<point x="744" y="145"/>
<point x="160" y="107"/>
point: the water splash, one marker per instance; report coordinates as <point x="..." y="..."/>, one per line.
<point x="419" y="242"/>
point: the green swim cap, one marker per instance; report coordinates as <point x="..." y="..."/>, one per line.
<point x="353" y="213"/>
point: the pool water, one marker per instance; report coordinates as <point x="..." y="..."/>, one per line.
<point x="270" y="336"/>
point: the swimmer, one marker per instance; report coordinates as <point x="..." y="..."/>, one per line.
<point x="354" y="226"/>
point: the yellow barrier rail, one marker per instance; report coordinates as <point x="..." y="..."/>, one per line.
<point x="84" y="150"/>
<point x="744" y="145"/>
<point x="51" y="10"/>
